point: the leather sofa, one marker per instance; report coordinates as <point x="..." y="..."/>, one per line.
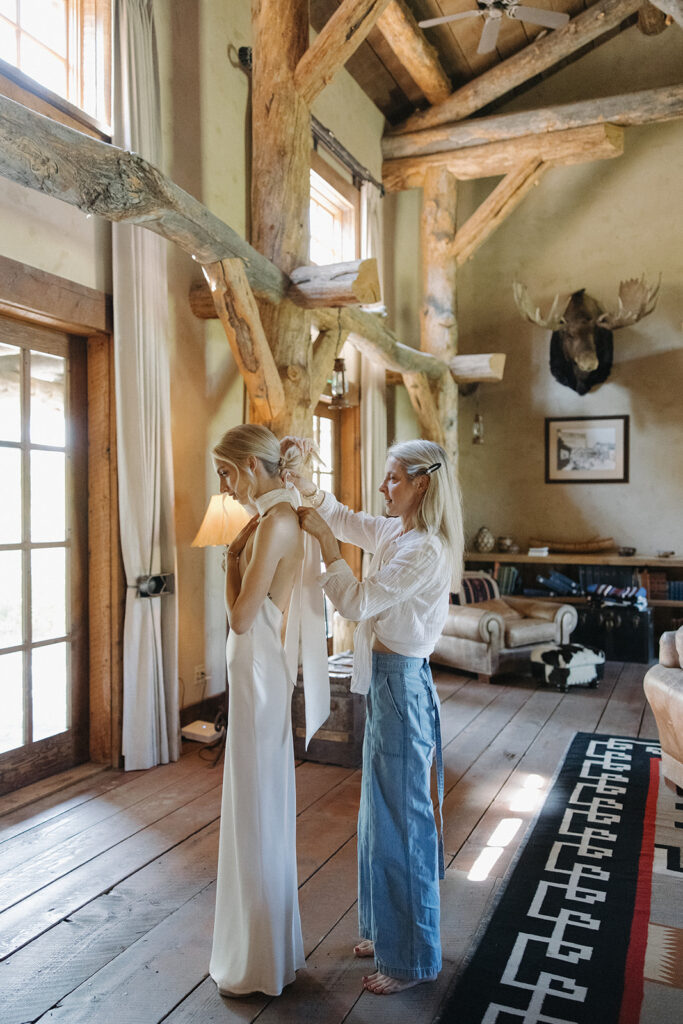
<point x="663" y="685"/>
<point x="498" y="634"/>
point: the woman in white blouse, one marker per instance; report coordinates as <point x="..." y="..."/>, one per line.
<point x="401" y="607"/>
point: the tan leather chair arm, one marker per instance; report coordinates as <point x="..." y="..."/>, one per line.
<point x="532" y="609"/>
<point x="468" y="622"/>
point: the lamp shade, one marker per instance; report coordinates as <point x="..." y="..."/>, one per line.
<point x="223" y="520"/>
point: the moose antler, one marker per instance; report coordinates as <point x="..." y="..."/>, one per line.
<point x="554" y="319"/>
<point x="636" y="300"/>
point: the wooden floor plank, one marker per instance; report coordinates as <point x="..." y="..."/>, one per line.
<point x="64" y="857"/>
<point x="34" y="915"/>
<point x="54" y="784"/>
<point x="579" y="710"/>
<point x="624" y="712"/>
<point x="78" y="825"/>
<point x="466" y="802"/>
<point x="314" y="781"/>
<point x="126" y="935"/>
<point x="75" y="949"/>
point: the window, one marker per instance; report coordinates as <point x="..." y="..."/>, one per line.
<point x="335" y="238"/>
<point x="64" y="47"/>
<point x="42" y="532"/>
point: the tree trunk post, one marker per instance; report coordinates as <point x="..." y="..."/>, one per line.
<point x="281" y="144"/>
<point x="438" y="329"/>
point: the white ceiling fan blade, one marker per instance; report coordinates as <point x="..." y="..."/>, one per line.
<point x="489" y="35"/>
<point x="448" y="17"/>
<point x="535" y="16"/>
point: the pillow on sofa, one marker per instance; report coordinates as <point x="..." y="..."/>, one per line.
<point x="475" y="589"/>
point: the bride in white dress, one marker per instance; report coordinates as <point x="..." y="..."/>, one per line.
<point x="257" y="942"/>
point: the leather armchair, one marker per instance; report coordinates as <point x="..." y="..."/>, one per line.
<point x="663" y="685"/>
<point x="498" y="634"/>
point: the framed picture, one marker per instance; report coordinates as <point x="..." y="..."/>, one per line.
<point x="586" y="450"/>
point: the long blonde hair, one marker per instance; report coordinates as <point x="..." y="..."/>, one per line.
<point x="440" y="511"/>
<point x="238" y="443"/>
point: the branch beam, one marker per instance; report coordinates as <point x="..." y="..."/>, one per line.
<point x="574" y="146"/>
<point x="416" y="54"/>
<point x="237" y="310"/>
<point x="338" y="40"/>
<point x="644" y="107"/>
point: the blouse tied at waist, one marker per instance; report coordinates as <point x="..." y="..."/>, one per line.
<point x="403" y="601"/>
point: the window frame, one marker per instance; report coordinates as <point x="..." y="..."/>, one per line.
<point x="89" y="27"/>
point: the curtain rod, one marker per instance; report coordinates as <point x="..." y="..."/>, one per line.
<point x="324" y="137"/>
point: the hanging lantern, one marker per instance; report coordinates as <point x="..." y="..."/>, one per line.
<point x="338" y="384"/>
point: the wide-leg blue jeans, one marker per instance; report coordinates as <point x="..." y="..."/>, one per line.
<point x="400" y="855"/>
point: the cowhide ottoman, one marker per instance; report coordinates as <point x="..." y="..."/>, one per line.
<point x="565" y="665"/>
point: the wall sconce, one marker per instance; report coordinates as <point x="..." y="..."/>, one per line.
<point x="223" y="520"/>
<point x="338" y="384"/>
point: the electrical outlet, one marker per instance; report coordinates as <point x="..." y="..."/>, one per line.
<point x="200" y="677"/>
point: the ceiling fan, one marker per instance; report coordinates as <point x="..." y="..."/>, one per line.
<point x="493" y="11"/>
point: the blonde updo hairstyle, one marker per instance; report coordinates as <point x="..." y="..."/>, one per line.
<point x="238" y="443"/>
<point x="440" y="511"/>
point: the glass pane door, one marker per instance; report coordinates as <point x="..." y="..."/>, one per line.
<point x="42" y="532"/>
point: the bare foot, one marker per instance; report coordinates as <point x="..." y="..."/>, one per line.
<point x="382" y="985"/>
<point x="365" y="947"/>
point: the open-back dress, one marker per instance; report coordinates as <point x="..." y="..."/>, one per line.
<point x="257" y="942"/>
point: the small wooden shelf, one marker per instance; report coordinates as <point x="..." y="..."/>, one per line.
<point x="558" y="558"/>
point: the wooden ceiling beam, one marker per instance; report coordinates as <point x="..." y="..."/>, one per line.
<point x="415" y="53"/>
<point x="540" y="55"/>
<point x="237" y="310"/>
<point x="336" y="284"/>
<point x="507" y="195"/>
<point x="644" y="107"/>
<point x="574" y="146"/>
<point x="337" y="41"/>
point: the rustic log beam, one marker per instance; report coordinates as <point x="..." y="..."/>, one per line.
<point x="524" y="65"/>
<point x="652" y="21"/>
<point x="369" y="334"/>
<point x="438" y="327"/>
<point x="645" y="107"/>
<point x="574" y="146"/>
<point x="496" y="207"/>
<point x="109" y="182"/>
<point x="416" y="54"/>
<point x="337" y="41"/>
<point x="478" y="367"/>
<point x="336" y="284"/>
<point x="280" y="190"/>
<point x="422" y="400"/>
<point x="239" y="315"/>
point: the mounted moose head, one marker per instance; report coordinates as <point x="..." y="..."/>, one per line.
<point x="581" y="343"/>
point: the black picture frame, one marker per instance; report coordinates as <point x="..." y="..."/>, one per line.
<point x="587" y="450"/>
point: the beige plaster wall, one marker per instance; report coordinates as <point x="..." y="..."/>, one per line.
<point x="586" y="226"/>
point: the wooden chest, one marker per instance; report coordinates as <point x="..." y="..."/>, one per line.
<point x="340" y="740"/>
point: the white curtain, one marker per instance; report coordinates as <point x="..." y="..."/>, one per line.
<point x="145" y="473"/>
<point x="373" y="406"/>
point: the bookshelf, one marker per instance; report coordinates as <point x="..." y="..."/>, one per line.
<point x="654" y="573"/>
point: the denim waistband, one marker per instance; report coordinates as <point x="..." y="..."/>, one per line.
<point x="384" y="660"/>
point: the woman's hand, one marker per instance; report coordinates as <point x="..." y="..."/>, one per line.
<point x="313" y="523"/>
<point x="237" y="545"/>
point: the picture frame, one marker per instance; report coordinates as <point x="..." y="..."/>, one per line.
<point x="586" y="449"/>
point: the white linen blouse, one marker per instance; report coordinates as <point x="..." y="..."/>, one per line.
<point x="403" y="600"/>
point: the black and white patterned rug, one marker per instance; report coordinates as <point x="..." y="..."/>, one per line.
<point x="589" y="926"/>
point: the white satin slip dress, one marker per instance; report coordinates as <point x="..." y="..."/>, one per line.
<point x="257" y="942"/>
